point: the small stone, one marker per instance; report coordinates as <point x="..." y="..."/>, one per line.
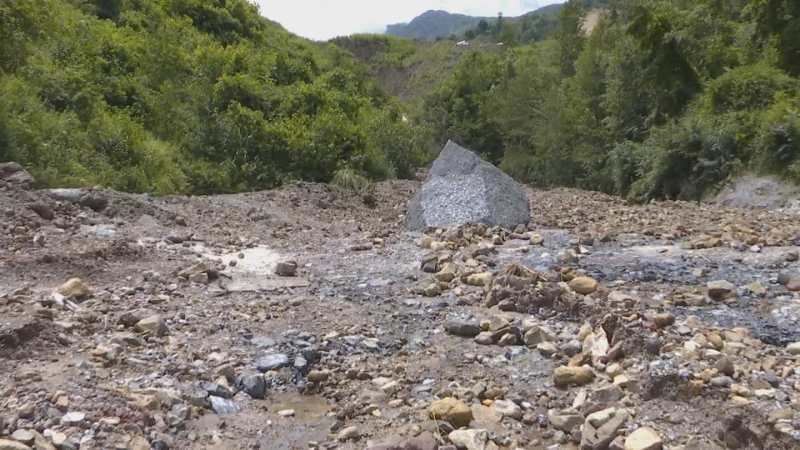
<point x="479" y="279"/>
<point x="286" y="413"/>
<point x="223" y="406"/>
<point x="793" y="348"/>
<point x="451" y="410"/>
<point x="470" y="439"/>
<point x="72" y="418"/>
<point x="254" y="385"/>
<point x="286" y="269"/>
<point x="24" y="436"/>
<point x="462" y="328"/>
<point x="485" y="338"/>
<point x="583" y="285"/>
<point x="272" y="361"/>
<point x="6" y="444"/>
<point x="663" y="320"/>
<point x="537" y="239"/>
<point x="720" y="289"/>
<point x="154" y="325"/>
<point x="75" y="288"/>
<point x="507" y="408"/>
<point x="644" y="438"/>
<point x="536" y="335"/>
<point x="318" y="376"/>
<point x="725" y="366"/>
<point x="348" y="434"/>
<point x="565" y="376"/>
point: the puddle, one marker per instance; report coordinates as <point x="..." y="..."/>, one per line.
<point x="253" y="270"/>
<point x="310" y="422"/>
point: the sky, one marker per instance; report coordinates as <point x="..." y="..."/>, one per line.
<point x="324" y="19"/>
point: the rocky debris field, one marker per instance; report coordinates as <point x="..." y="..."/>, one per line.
<point x="309" y="318"/>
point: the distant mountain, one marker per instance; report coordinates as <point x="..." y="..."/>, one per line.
<point x="432" y="25"/>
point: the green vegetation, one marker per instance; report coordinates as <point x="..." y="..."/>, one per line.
<point x="664" y="98"/>
<point x="168" y="96"/>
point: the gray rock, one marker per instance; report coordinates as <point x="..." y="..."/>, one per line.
<point x="253" y="384"/>
<point x="66" y="195"/>
<point x="286" y="269"/>
<point x="462" y="188"/>
<point x="272" y="361"/>
<point x="463" y="328"/>
<point x="223" y="406"/>
<point x="14" y="173"/>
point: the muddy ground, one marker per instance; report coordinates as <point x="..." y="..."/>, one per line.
<point x="174" y="346"/>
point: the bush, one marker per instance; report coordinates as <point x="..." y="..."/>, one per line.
<point x="748" y="87"/>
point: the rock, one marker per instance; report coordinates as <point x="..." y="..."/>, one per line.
<point x="507" y="408"/>
<point x="154" y="325"/>
<point x="725" y="366"/>
<point x="451" y="410"/>
<point x="72" y="418"/>
<point x="537" y="335"/>
<point x="565" y="376"/>
<point x="6" y="444"/>
<point x="24" y="436"/>
<point x="348" y="434"/>
<point x="644" y="438"/>
<point x="720" y="290"/>
<point x="42" y="210"/>
<point x="286" y="413"/>
<point x="94" y="201"/>
<point x="272" y="361"/>
<point x="663" y="320"/>
<point x="425" y="441"/>
<point x="583" y="285"/>
<point x="566" y="420"/>
<point x="75" y="288"/>
<point x="253" y="384"/>
<point x="461" y="188"/>
<point x="66" y="195"/>
<point x="286" y="269"/>
<point x="470" y="439"/>
<point x="485" y="338"/>
<point x="13" y="173"/>
<point x="462" y="328"/>
<point x="601" y="428"/>
<point x="223" y="406"/>
<point x="318" y="376"/>
<point x="479" y="279"/>
<point x="793" y="348"/>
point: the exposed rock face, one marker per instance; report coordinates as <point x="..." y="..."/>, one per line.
<point x="462" y="188"/>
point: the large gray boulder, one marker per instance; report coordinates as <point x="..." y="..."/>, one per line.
<point x="462" y="188"/>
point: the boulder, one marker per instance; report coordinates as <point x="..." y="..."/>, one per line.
<point x="462" y="188"/>
<point x="13" y="173"/>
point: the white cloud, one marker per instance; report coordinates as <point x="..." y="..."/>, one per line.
<point x="324" y="19"/>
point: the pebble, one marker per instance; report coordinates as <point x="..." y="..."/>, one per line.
<point x="6" y="444"/>
<point x="720" y="289"/>
<point x="73" y="417"/>
<point x="566" y="375"/>
<point x="24" y="436"/>
<point x="583" y="285"/>
<point x="75" y="288"/>
<point x="451" y="410"/>
<point x="272" y="361"/>
<point x="507" y="408"/>
<point x="154" y="325"/>
<point x="348" y="434"/>
<point x="286" y="269"/>
<point x="286" y="413"/>
<point x="462" y="328"/>
<point x="644" y="438"/>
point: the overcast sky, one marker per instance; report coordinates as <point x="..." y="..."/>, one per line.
<point x="324" y="19"/>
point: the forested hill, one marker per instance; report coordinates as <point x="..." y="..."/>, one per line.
<point x="186" y="96"/>
<point x="641" y="98"/>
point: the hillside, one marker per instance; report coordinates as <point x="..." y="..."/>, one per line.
<point x="433" y="25"/>
<point x="173" y="96"/>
